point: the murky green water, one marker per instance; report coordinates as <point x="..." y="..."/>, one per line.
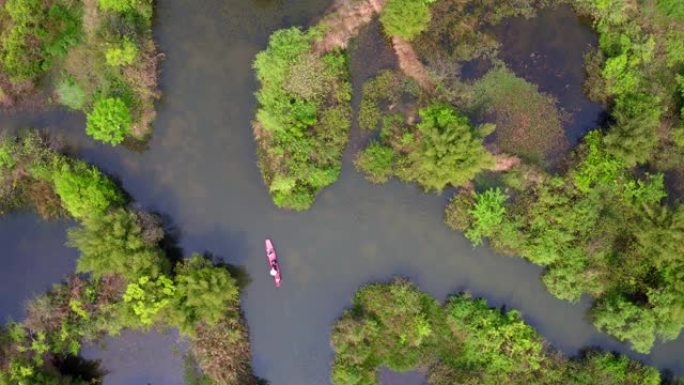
<point x="201" y="171"/>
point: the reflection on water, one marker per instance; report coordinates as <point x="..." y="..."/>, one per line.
<point x="137" y="358"/>
<point x="201" y="171"/>
<point x="388" y="377"/>
<point x="33" y="257"/>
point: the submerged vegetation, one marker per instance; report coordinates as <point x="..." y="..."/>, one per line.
<point x="130" y="283"/>
<point x="464" y="341"/>
<point x="97" y="56"/>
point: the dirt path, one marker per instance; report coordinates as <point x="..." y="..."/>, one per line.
<point x="410" y="64"/>
<point x="344" y="22"/>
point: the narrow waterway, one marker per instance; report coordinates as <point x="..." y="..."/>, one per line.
<point x="200" y="170"/>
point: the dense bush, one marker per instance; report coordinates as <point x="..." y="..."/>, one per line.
<point x="465" y="342"/>
<point x="303" y="119"/>
<point x="109" y="121"/>
<point x="84" y="190"/>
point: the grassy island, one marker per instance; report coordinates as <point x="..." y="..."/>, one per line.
<point x="463" y="341"/>
<point x="96" y="56"/>
<point x="124" y="278"/>
<point x="304" y="116"/>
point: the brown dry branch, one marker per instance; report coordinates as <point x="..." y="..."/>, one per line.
<point x="410" y="64"/>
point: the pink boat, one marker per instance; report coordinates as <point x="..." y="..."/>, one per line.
<point x="273" y="264"/>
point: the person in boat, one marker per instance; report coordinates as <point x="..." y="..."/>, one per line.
<point x="274" y="270"/>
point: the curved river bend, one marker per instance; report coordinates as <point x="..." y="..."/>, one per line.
<point x="201" y="171"/>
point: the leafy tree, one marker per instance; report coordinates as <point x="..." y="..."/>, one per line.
<point x="450" y="150"/>
<point x="204" y="294"/>
<point x="109" y="121"/>
<point x="625" y="320"/>
<point x="85" y="192"/>
<point x="114" y="243"/>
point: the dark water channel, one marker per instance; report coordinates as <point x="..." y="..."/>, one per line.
<point x="201" y="171"/>
<point x="548" y="50"/>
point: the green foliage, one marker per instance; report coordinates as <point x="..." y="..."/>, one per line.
<point x="625" y="320"/>
<point x="70" y="93"/>
<point x="463" y="342"/>
<point x="500" y="345"/>
<point x="21" y="59"/>
<point x="672" y="8"/>
<point x="377" y="162"/>
<point x="85" y="192"/>
<point x="204" y="294"/>
<point x="390" y="324"/>
<point x="122" y="54"/>
<point x="487" y="214"/>
<point x="148" y="297"/>
<point x="406" y="18"/>
<point x="115" y="243"/>
<point x="303" y="119"/>
<point x="36" y="35"/>
<point x="597" y="168"/>
<point x="109" y="121"/>
<point x="450" y="151"/>
<point x="127" y="6"/>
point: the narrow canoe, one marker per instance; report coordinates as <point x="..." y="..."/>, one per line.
<point x="273" y="261"/>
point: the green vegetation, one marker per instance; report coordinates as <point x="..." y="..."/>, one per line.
<point x="464" y="342"/>
<point x="442" y="149"/>
<point x="406" y="18"/>
<point x="98" y="56"/>
<point x="132" y="283"/>
<point x="304" y="117"/>
<point x="109" y="121"/>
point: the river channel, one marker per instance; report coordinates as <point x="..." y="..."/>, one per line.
<point x="200" y="170"/>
